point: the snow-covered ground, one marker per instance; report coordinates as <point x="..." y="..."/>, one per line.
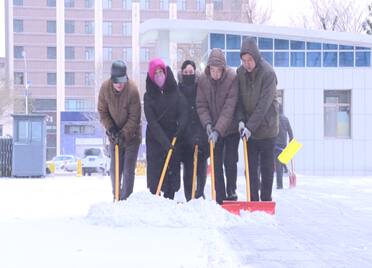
<point x="65" y="221"/>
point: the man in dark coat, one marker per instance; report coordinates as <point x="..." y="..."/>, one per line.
<point x="194" y="134"/>
<point x="216" y="100"/>
<point x="119" y="108"/>
<point x="259" y="117"/>
<point x="166" y="114"/>
<point x="280" y="144"/>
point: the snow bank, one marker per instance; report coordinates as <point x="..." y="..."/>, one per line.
<point x="145" y="209"/>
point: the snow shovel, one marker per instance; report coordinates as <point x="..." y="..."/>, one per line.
<point x="211" y="149"/>
<point x="292" y="176"/>
<point x="193" y="188"/>
<point x="236" y="206"/>
<point x="165" y="167"/>
<point x="117" y="196"/>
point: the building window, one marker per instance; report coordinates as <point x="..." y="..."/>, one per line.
<point x="127" y="4"/>
<point x="281" y="44"/>
<point x="18" y="78"/>
<point x="313" y="46"/>
<point x="314" y="59"/>
<point x="265" y="43"/>
<point x="233" y="59"/>
<point x="51" y="26"/>
<point x="89" y="53"/>
<point x="217" y="41"/>
<point x="233" y="41"/>
<point x="127" y="54"/>
<point x="330" y="59"/>
<point x="144" y="4"/>
<point x="127" y="28"/>
<point x="107" y="53"/>
<point x="69" y="26"/>
<point x="51" y="79"/>
<point x="51" y="3"/>
<point x="69" y="78"/>
<point x="51" y="53"/>
<point x="346" y="56"/>
<point x="107" y="4"/>
<point x="145" y="54"/>
<point x="18" y="52"/>
<point x="89" y="78"/>
<point x="268" y="56"/>
<point x="281" y="59"/>
<point x="362" y="58"/>
<point x="181" y="5"/>
<point x="89" y="4"/>
<point x="297" y="59"/>
<point x="89" y="27"/>
<point x="69" y="53"/>
<point x="69" y="3"/>
<point x="164" y="4"/>
<point x="297" y="45"/>
<point x="80" y="129"/>
<point x="337" y="110"/>
<point x="79" y="105"/>
<point x="107" y="28"/>
<point x="17" y="2"/>
<point x="45" y="104"/>
<point x="17" y="26"/>
<point x="218" y="4"/>
<point x="200" y="5"/>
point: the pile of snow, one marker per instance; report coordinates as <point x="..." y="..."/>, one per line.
<point x="145" y="209"/>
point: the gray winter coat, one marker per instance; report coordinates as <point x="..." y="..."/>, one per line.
<point x="258" y="104"/>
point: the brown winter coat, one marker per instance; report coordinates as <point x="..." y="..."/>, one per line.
<point x="216" y="100"/>
<point x="258" y="104"/>
<point x="122" y="109"/>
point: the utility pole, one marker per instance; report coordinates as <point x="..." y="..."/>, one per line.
<point x="25" y="81"/>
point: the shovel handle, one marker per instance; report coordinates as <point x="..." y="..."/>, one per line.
<point x="165" y="167"/>
<point x="194" y="172"/>
<point x="211" y="148"/>
<point x="117" y="172"/>
<point x="247" y="180"/>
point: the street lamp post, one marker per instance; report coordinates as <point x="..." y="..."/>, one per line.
<point x="25" y="81"/>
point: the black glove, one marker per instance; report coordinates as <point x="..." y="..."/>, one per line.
<point x="113" y="134"/>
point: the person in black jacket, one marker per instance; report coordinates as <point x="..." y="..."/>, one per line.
<point x="194" y="134"/>
<point x="280" y="144"/>
<point x="166" y="115"/>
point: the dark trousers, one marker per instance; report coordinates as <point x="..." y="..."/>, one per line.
<point x="127" y="165"/>
<point x="187" y="158"/>
<point x="261" y="155"/>
<point x="226" y="155"/>
<point x="278" y="169"/>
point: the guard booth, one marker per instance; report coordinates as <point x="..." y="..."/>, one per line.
<point x="29" y="147"/>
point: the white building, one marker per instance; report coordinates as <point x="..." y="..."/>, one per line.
<point x="324" y="82"/>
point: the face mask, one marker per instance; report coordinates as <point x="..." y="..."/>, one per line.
<point x="188" y="79"/>
<point x="159" y="80"/>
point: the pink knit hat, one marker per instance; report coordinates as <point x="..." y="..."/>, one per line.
<point x="155" y="64"/>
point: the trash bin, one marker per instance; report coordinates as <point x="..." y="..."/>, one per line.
<point x="29" y="146"/>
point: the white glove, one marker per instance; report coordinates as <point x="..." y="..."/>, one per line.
<point x="244" y="132"/>
<point x="209" y="129"/>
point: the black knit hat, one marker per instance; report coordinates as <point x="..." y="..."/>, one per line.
<point x="188" y="62"/>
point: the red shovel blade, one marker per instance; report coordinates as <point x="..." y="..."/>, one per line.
<point x="236" y="206"/>
<point x="292" y="180"/>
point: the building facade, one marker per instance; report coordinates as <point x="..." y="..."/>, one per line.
<point x="59" y="52"/>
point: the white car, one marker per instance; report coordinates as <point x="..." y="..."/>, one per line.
<point x="95" y="161"/>
<point x="60" y="163"/>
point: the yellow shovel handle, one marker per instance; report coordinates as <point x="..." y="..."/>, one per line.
<point x="117" y="172"/>
<point x="194" y="172"/>
<point x="211" y="149"/>
<point x="247" y="180"/>
<point x="165" y="167"/>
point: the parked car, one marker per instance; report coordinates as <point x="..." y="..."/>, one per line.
<point x="60" y="162"/>
<point x="95" y="161"/>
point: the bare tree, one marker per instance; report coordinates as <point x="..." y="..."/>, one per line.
<point x="254" y="13"/>
<point x="6" y="98"/>
<point x="367" y="25"/>
<point x="333" y="15"/>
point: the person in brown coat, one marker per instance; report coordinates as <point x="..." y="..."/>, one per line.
<point x="216" y="100"/>
<point x="259" y="117"/>
<point x="119" y="108"/>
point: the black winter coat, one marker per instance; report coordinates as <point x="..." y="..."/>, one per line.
<point x="166" y="115"/>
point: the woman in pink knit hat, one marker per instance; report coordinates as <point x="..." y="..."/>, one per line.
<point x="166" y="114"/>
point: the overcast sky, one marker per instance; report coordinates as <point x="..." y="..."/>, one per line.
<point x="283" y="10"/>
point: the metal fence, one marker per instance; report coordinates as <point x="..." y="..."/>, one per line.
<point x="6" y="150"/>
